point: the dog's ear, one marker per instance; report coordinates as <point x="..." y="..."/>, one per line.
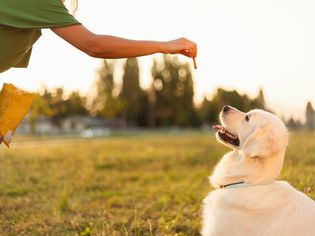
<point x="261" y="143"/>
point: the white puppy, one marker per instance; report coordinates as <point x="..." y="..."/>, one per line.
<point x="247" y="199"/>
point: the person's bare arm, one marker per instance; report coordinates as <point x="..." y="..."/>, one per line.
<point x="106" y="46"/>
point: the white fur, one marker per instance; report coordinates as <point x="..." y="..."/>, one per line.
<point x="265" y="207"/>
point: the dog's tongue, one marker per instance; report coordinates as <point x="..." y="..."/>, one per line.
<point x="217" y="127"/>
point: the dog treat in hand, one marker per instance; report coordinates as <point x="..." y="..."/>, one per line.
<point x="14" y="104"/>
<point x="195" y="64"/>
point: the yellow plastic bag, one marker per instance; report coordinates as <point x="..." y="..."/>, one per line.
<point x="14" y="104"/>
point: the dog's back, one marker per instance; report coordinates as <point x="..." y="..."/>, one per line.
<point x="273" y="209"/>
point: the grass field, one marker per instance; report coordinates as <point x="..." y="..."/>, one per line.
<point x="125" y="185"/>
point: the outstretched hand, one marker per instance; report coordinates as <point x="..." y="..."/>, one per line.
<point x="183" y="46"/>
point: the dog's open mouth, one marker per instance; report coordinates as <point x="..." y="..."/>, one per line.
<point x="227" y="136"/>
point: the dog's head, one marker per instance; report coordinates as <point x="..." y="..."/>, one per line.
<point x="256" y="134"/>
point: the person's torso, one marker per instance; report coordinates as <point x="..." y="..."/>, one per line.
<point x="21" y="22"/>
<point x="16" y="46"/>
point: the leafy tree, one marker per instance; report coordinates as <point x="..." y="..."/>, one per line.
<point x="75" y="104"/>
<point x="144" y="109"/>
<point x="57" y="106"/>
<point x="40" y="107"/>
<point x="131" y="92"/>
<point x="151" y="105"/>
<point x="294" y="124"/>
<point x="105" y="104"/>
<point x="259" y="101"/>
<point x="310" y="115"/>
<point x="173" y="87"/>
<point x="211" y="108"/>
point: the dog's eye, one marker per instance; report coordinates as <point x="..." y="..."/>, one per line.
<point x="247" y="118"/>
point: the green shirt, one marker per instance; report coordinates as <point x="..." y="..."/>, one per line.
<point x="21" y="22"/>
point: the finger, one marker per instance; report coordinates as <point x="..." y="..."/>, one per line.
<point x="187" y="53"/>
<point x="194" y="51"/>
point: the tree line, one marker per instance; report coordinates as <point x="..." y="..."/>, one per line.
<point x="167" y="102"/>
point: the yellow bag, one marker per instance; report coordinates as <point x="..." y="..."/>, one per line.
<point x="14" y="104"/>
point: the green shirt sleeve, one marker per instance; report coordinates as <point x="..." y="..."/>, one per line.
<point x="21" y="22"/>
<point x="35" y="14"/>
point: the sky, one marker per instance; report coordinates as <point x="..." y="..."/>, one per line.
<point x="243" y="45"/>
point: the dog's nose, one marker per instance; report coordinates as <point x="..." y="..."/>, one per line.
<point x="226" y="108"/>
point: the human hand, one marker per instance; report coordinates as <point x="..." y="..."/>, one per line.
<point x="182" y="46"/>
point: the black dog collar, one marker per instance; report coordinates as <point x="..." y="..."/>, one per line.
<point x="227" y="185"/>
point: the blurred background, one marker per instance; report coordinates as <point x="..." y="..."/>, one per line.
<point x="124" y="147"/>
<point x="252" y="54"/>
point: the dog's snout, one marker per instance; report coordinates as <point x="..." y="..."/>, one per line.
<point x="226" y="108"/>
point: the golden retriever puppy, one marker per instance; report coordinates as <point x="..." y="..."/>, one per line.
<point x="248" y="200"/>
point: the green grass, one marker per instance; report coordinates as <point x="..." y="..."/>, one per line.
<point x="134" y="185"/>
